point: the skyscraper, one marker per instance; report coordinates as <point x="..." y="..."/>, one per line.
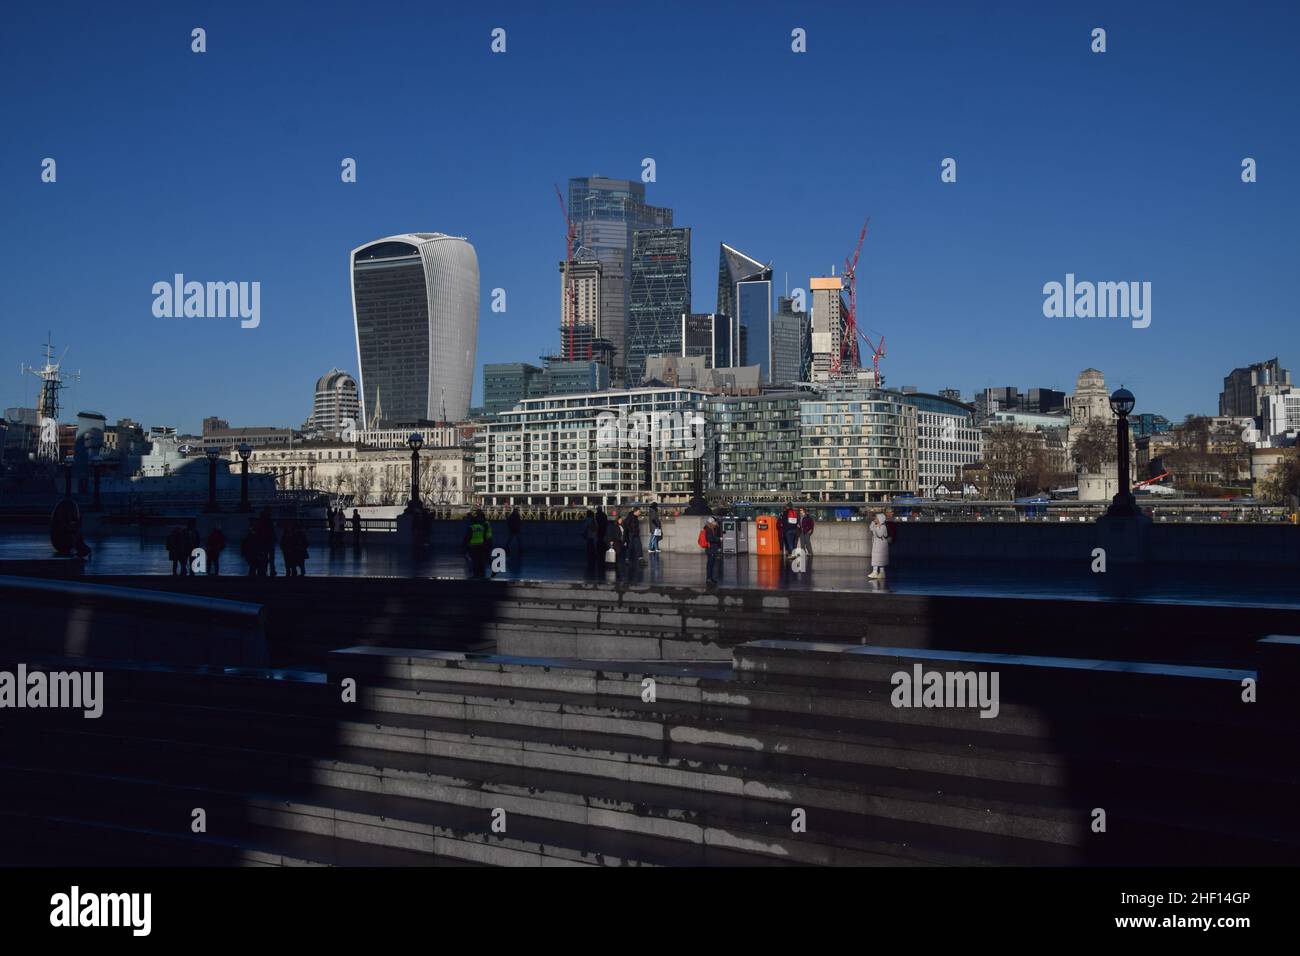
<point x="745" y="294"/>
<point x="660" y="294"/>
<point x="415" y="309"/>
<point x="606" y="213"/>
<point x="791" y="344"/>
<point x="828" y="312"/>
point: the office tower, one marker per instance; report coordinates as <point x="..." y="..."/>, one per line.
<point x="660" y="293"/>
<point x="745" y="294"/>
<point x="1244" y="389"/>
<point x="606" y="213"/>
<point x="335" y="402"/>
<point x="791" y="344"/>
<point x="415" y="308"/>
<point x="506" y="384"/>
<point x="578" y="334"/>
<point x="828" y="313"/>
<point x="947" y="439"/>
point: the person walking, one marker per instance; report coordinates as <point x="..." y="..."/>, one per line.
<point x="713" y="548"/>
<point x="215" y="544"/>
<point x="514" y="526"/>
<point x="806" y="527"/>
<point x="356" y="530"/>
<point x="615" y="542"/>
<point x="879" y="533"/>
<point x="602" y="522"/>
<point x="478" y="542"/>
<point x="632" y="525"/>
<point x="656" y="528"/>
<point x="789" y="529"/>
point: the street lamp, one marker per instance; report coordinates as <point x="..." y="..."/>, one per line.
<point x="245" y="450"/>
<point x="415" y="441"/>
<point x="1123" y="504"/>
<point x="213" y="453"/>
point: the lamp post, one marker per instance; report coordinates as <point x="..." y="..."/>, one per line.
<point x="1123" y="504"/>
<point x="245" y="450"/>
<point x="415" y="441"/>
<point x="213" y="453"/>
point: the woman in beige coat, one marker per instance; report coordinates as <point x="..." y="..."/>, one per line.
<point x="879" y="535"/>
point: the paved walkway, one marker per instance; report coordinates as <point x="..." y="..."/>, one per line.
<point x="1184" y="584"/>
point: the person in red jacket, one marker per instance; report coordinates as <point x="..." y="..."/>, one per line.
<point x="789" y="529"/>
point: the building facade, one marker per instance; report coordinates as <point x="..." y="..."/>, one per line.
<point x="857" y="442"/>
<point x="1244" y="389"/>
<point x="947" y="440"/>
<point x="606" y="213"/>
<point x="791" y="344"/>
<point x="754" y="446"/>
<point x="335" y="403"/>
<point x="660" y="293"/>
<point x="415" y="303"/>
<point x="584" y="450"/>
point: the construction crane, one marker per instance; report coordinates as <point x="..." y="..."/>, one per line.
<point x="849" y="341"/>
<point x="571" y="233"/>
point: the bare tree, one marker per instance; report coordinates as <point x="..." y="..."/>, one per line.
<point x="1019" y="455"/>
<point x="1281" y="486"/>
<point x="387" y="487"/>
<point x="1094" y="448"/>
<point x="365" y="483"/>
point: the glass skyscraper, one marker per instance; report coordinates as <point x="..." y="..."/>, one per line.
<point x="660" y="294"/>
<point x="606" y="213"/>
<point x="791" y="344"/>
<point x="415" y="310"/>
<point x="745" y="294"/>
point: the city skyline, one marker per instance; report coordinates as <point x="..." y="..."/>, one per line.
<point x="1145" y="188"/>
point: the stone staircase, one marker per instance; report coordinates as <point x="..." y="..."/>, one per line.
<point x="442" y="757"/>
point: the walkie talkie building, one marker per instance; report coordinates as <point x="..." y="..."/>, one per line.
<point x="415" y="309"/>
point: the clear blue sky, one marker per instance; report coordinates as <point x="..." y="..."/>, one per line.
<point x="225" y="166"/>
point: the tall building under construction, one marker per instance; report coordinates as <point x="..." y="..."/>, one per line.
<point x="828" y="326"/>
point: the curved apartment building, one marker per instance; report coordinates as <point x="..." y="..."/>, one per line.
<point x="415" y="310"/>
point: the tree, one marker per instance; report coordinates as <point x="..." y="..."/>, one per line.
<point x="1094" y="448"/>
<point x="1282" y="483"/>
<point x="1020" y="455"/>
<point x="365" y="483"/>
<point x="387" y="487"/>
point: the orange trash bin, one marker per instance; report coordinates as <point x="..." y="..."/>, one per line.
<point x="768" y="542"/>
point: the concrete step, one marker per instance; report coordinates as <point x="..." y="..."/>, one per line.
<point x="980" y="825"/>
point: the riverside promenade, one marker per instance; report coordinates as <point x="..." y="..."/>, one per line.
<point x="390" y="714"/>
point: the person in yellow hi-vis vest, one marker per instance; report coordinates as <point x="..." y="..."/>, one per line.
<point x="478" y="541"/>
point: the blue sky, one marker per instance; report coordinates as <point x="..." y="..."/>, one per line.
<point x="225" y="166"/>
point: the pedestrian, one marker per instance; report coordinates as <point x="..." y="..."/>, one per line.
<point x="632" y="528"/>
<point x="806" y="526"/>
<point x="293" y="546"/>
<point x="356" y="530"/>
<point x="215" y="544"/>
<point x="656" y="528"/>
<point x="789" y="529"/>
<point x="266" y="547"/>
<point x="514" y="525"/>
<point x="615" y="541"/>
<point x="602" y="521"/>
<point x="712" y="534"/>
<point x="478" y="542"/>
<point x="880" y="536"/>
<point x="250" y="549"/>
<point x="591" y="536"/>
<point x="174" y="550"/>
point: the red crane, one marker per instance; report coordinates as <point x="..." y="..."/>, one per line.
<point x="571" y="233"/>
<point x="849" y="342"/>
